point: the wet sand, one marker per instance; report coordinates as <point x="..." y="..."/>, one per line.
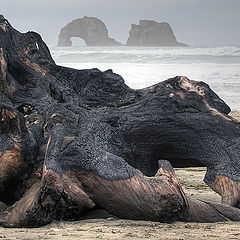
<point x="101" y="225"/>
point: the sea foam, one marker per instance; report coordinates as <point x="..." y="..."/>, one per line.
<point x="143" y="66"/>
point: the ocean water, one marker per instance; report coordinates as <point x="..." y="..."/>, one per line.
<point x="143" y="66"/>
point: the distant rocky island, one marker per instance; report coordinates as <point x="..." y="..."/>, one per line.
<point x="152" y="33"/>
<point x="94" y="32"/>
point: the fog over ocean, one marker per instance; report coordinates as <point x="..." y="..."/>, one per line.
<point x="143" y="66"/>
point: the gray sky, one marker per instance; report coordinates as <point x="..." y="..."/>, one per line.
<point x="195" y="22"/>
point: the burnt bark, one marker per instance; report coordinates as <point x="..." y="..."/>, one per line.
<point x="75" y="140"/>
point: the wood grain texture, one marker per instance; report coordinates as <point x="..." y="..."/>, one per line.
<point x="74" y="140"/>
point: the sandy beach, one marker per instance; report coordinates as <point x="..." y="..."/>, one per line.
<point x="101" y="225"/>
<point x="96" y="96"/>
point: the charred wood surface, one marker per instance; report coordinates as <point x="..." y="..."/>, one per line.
<point x="75" y="140"/>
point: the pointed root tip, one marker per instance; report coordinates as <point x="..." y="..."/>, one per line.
<point x="165" y="164"/>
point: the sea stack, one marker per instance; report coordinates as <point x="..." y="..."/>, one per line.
<point x="152" y="33"/>
<point x="92" y="30"/>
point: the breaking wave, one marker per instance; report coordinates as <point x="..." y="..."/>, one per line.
<point x="143" y="66"/>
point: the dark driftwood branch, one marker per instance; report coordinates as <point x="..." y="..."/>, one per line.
<point x="75" y="140"/>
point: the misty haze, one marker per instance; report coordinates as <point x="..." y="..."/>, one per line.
<point x="195" y="22"/>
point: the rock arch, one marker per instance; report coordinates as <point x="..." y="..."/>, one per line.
<point x="92" y="30"/>
<point x="77" y="41"/>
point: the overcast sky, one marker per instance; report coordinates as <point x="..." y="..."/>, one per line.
<point x="195" y="22"/>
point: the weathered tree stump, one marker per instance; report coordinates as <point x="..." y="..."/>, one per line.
<point x="75" y="140"/>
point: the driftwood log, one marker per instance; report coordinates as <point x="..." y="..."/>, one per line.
<point x="75" y="140"/>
